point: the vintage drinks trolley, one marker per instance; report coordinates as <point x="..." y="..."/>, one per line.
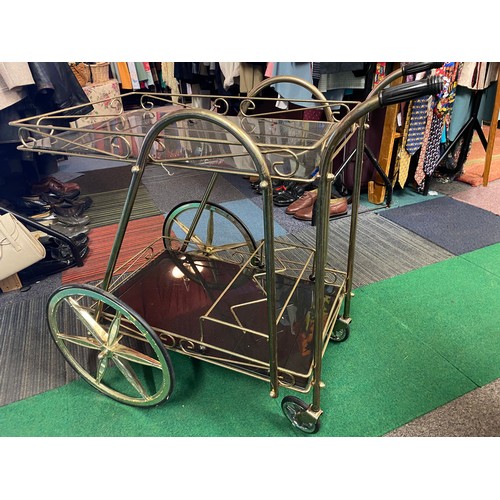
<point x="209" y="290"/>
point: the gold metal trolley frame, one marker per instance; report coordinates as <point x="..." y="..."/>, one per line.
<point x="267" y="309"/>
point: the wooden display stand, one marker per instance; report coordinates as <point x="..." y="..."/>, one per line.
<point x="376" y="188"/>
<point x="491" y="136"/>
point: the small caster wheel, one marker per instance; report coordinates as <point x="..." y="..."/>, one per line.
<point x="341" y="334"/>
<point x="296" y="411"/>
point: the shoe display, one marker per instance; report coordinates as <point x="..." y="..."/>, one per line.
<point x="338" y="206"/>
<point x="73" y="220"/>
<point x="47" y="267"/>
<point x="57" y="250"/>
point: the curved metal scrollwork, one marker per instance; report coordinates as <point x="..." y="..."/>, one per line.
<point x="247" y="105"/>
<point x="160" y="148"/>
<point x="247" y="126"/>
<point x="291" y="156"/>
<point x="187" y="345"/>
<point x="217" y="106"/>
<point x="145" y="104"/>
<point x="291" y="382"/>
<point x="114" y="144"/>
<point x="26" y="138"/>
<point x="167" y="339"/>
<point x="121" y="124"/>
<point x="116" y="105"/>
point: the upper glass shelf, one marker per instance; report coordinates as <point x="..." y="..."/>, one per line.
<point x="291" y="147"/>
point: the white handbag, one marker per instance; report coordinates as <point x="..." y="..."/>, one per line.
<point x="18" y="247"/>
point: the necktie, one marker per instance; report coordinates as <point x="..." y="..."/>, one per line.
<point x="433" y="147"/>
<point x="418" y="121"/>
<point x="404" y="158"/>
<point x="419" y="172"/>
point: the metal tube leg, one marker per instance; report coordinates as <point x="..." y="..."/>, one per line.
<point x="356" y="195"/>
<point x="323" y="207"/>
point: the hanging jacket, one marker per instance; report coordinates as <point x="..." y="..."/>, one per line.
<point x="56" y="88"/>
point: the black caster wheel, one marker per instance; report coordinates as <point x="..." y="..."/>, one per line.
<point x="296" y="411"/>
<point x="341" y="334"/>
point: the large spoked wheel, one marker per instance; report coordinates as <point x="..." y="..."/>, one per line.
<point x="217" y="235"/>
<point x="296" y="411"/>
<point x="218" y="231"/>
<point x="109" y="345"/>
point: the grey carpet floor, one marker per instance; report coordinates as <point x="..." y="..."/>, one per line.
<point x="476" y="414"/>
<point x="172" y="186"/>
<point x="107" y="207"/>
<point x="383" y="249"/>
<point x="30" y="362"/>
<point x="456" y="226"/>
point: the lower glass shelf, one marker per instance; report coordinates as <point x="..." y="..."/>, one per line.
<point x="217" y="311"/>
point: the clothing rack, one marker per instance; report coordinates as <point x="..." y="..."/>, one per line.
<point x="467" y="132"/>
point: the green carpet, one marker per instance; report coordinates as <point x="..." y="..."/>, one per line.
<point x="451" y="306"/>
<point x="392" y="369"/>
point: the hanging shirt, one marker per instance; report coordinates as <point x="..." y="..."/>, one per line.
<point x="291" y="91"/>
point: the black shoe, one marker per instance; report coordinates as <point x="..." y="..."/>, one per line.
<point x="62" y="251"/>
<point x="69" y="231"/>
<point x="72" y="208"/>
<point x="288" y="196"/>
<point x="284" y="199"/>
<point x="49" y="218"/>
<point x="30" y="206"/>
<point x="79" y="241"/>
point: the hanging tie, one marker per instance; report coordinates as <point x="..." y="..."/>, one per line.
<point x="418" y="121"/>
<point x="419" y="171"/>
<point x="404" y="158"/>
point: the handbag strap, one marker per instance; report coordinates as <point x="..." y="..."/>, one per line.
<point x="10" y="239"/>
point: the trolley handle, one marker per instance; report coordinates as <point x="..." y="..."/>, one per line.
<point x="411" y="90"/>
<point x="418" y="67"/>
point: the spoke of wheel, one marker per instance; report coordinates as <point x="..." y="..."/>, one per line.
<point x="135" y="356"/>
<point x="88" y="342"/>
<point x="231" y="246"/>
<point x="101" y="367"/>
<point x="94" y="328"/>
<point x="194" y="238"/>
<point x="210" y="229"/>
<point x="130" y="375"/>
<point x="114" y="329"/>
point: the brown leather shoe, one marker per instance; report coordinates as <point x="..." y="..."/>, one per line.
<point x="55" y="186"/>
<point x="305" y="201"/>
<point x="338" y="206"/>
